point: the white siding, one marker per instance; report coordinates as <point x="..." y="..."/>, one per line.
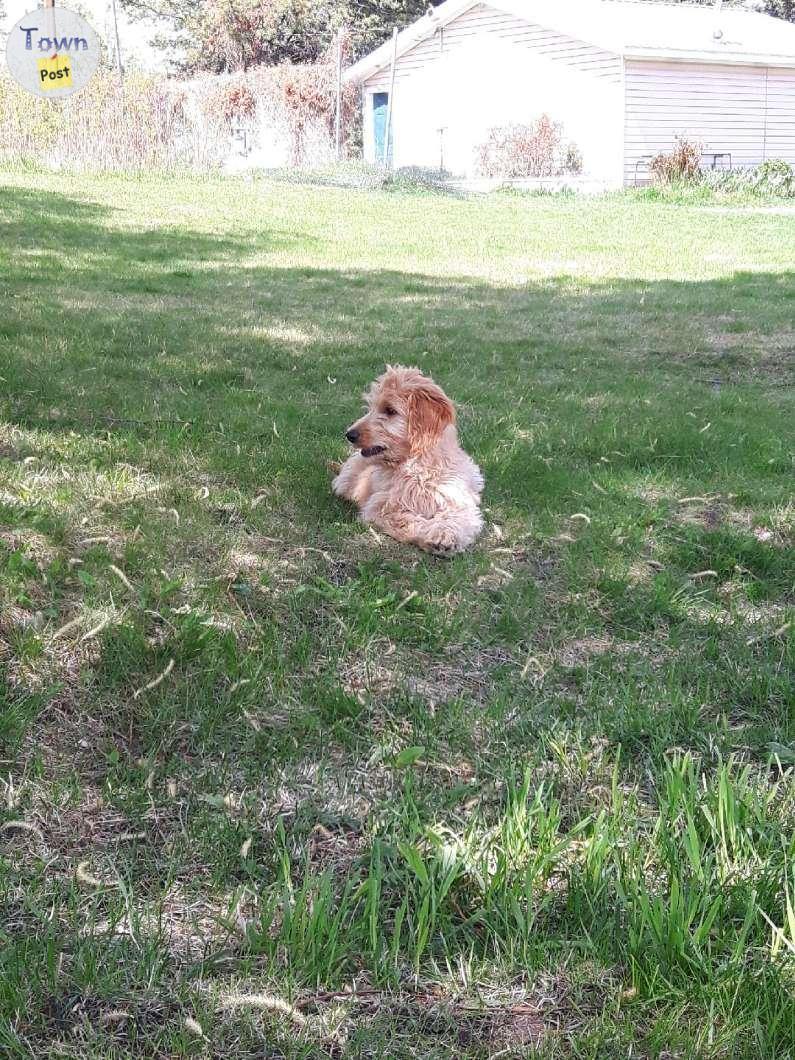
<point x="488" y="68"/>
<point x="481" y="20"/>
<point x="748" y="111"/>
<point x="780" y="129"/>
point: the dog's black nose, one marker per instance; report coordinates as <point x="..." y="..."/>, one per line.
<point x="352" y="435"/>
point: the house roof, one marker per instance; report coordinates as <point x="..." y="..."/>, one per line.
<point x="630" y="28"/>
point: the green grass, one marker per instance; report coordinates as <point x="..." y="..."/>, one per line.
<point x="274" y="787"/>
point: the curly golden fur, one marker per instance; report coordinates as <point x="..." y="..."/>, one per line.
<point x="409" y="477"/>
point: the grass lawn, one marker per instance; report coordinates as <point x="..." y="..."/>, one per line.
<point x="271" y="786"/>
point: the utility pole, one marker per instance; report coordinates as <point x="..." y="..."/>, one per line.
<point x="388" y="135"/>
<point x="119" y="66"/>
<point x="338" y="123"/>
<point x="49" y="7"/>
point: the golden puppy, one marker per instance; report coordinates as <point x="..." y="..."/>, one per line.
<point x="410" y="478"/>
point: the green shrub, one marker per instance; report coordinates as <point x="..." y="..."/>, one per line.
<point x="774" y="178"/>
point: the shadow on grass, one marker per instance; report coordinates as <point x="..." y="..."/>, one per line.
<point x="179" y="346"/>
<point x="174" y="348"/>
<point x="114" y="328"/>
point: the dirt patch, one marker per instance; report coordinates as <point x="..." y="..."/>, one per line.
<point x="186" y="922"/>
<point x="238" y="562"/>
<point x="336" y="849"/>
<point x="65" y="739"/>
<point x="459" y="671"/>
<point x="64" y="659"/>
<point x="32" y="543"/>
<point x="517" y="1030"/>
<point x="765" y="352"/>
<point x="715" y="513"/>
<point x="87" y="1018"/>
<point x="580" y="652"/>
<point x="649" y="493"/>
<point x="15" y="620"/>
<point x="778" y="537"/>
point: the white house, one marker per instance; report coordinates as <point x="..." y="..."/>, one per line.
<point x="623" y="77"/>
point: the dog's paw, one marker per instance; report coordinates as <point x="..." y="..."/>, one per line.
<point x="334" y="466"/>
<point x="444" y="544"/>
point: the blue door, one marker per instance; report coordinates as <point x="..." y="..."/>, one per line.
<point x="380" y="107"/>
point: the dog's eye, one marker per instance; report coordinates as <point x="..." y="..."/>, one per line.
<point x="389" y="411"/>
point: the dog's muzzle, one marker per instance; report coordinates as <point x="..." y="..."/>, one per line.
<point x="372" y="450"/>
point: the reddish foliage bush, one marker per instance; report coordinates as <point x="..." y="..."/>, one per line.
<point x="535" y="150"/>
<point x="151" y="123"/>
<point x="302" y="102"/>
<point x="682" y="163"/>
<point x="237" y="101"/>
<point x="297" y="102"/>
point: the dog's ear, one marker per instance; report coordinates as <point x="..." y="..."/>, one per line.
<point x="430" y="410"/>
